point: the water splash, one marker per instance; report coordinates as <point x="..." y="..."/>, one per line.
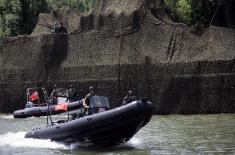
<point x="135" y="141"/>
<point x="18" y="140"/>
<point x="6" y="116"/>
<point x="77" y="145"/>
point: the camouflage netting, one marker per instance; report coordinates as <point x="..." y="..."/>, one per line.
<point x="68" y="17"/>
<point x="123" y="45"/>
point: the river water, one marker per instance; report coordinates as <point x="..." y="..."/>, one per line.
<point x="172" y="134"/>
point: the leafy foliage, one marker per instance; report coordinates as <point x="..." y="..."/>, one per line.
<point x="20" y="16"/>
<point x="185" y="10"/>
<point x="10" y="17"/>
<point x="193" y="11"/>
<point x="29" y="14"/>
<point x="181" y="8"/>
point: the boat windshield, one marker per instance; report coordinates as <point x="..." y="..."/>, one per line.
<point x="37" y="95"/>
<point x="99" y="102"/>
<point x="61" y="100"/>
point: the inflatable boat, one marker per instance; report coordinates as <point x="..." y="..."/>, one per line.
<point x="38" y="103"/>
<point x="104" y="127"/>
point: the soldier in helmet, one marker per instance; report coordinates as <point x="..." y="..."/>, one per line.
<point x="91" y="93"/>
<point x="58" y="27"/>
<point x="70" y="94"/>
<point x="54" y="95"/>
<point x="129" y="97"/>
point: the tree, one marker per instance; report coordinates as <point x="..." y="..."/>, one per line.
<point x="181" y="9"/>
<point x="30" y="11"/>
<point x="20" y="16"/>
<point x="191" y="12"/>
<point x="10" y="16"/>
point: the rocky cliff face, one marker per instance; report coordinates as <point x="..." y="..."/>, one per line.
<point x="122" y="45"/>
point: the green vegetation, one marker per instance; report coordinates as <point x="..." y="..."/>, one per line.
<point x="20" y="16"/>
<point x="181" y="8"/>
<point x="192" y="12"/>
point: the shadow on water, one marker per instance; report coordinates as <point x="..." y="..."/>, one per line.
<point x="123" y="148"/>
<point x="109" y="149"/>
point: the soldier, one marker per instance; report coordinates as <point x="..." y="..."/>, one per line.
<point x="56" y="27"/>
<point x="90" y="94"/>
<point x="54" y="95"/>
<point x="129" y="97"/>
<point x="59" y="28"/>
<point x="70" y="94"/>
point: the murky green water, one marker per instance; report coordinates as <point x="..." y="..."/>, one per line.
<point x="174" y="134"/>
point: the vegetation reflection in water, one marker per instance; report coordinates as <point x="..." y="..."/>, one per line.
<point x="173" y="134"/>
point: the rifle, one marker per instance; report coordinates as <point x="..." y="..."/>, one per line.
<point x="47" y="26"/>
<point x="56" y="28"/>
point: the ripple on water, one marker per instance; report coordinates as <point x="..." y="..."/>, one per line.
<point x="176" y="134"/>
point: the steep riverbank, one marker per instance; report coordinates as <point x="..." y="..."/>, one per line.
<point x="122" y="45"/>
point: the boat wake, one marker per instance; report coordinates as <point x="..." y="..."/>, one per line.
<point x="136" y="143"/>
<point x="18" y="140"/>
<point x="6" y="116"/>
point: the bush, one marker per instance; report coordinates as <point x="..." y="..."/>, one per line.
<point x="184" y="11"/>
<point x="193" y="11"/>
<point x="19" y="16"/>
<point x="181" y="8"/>
<point x="10" y="11"/>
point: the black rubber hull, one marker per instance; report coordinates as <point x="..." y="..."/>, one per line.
<point x="107" y="128"/>
<point x="43" y="110"/>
